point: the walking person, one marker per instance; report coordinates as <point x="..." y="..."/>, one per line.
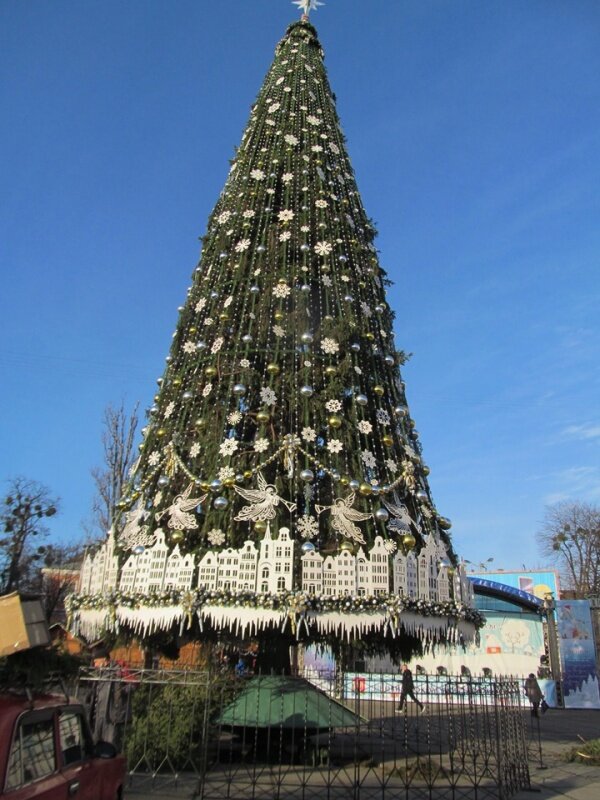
<point x="408" y="690"/>
<point x="534" y="693"/>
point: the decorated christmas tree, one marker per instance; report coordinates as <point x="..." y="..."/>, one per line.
<point x="280" y="483"/>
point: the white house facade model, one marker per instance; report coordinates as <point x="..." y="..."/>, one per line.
<point x="269" y="569"/>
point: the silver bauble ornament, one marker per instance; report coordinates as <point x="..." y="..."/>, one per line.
<point x="307" y="475"/>
<point x="239" y="389"/>
<point x="200" y="345"/>
<point x="362" y="399"/>
<point x="254" y="289"/>
<point x="138" y="550"/>
<point x="306" y="391"/>
<point x="305" y="288"/>
<point x="261" y="248"/>
<point x="216" y="485"/>
<point x="187" y="395"/>
<point x="354" y="484"/>
<point x="163" y="481"/>
<point x="308" y="547"/>
<point x="220" y="503"/>
<point x="304" y="247"/>
<point x="222" y="256"/>
<point x="382" y="514"/>
<point x="421" y="495"/>
<point x="307" y="337"/>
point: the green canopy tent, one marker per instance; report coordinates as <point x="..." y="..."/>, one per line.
<point x="289" y="703"/>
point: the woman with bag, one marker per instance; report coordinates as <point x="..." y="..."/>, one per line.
<point x="534" y="693"/>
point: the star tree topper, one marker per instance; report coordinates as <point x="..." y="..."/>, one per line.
<point x="307" y="5"/>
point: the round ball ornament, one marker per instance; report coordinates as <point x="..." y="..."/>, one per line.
<point x="201" y="346"/>
<point x="216" y="485"/>
<point x="177" y="536"/>
<point x="335" y="475"/>
<point x="306" y="391"/>
<point x="330" y="371"/>
<point x="379" y="390"/>
<point x="382" y="514"/>
<point x="444" y="523"/>
<point x="205" y="486"/>
<point x="260" y="526"/>
<point x="361" y="399"/>
<point x="421" y="496"/>
<point x="247" y="474"/>
<point x="176" y="381"/>
<point x="347" y="547"/>
<point x="138" y="550"/>
<point x="200" y="423"/>
<point x="187" y="395"/>
<point x="389" y="360"/>
<point x="210" y="372"/>
<point x="163" y="481"/>
<point x="365" y="489"/>
<point x="387" y="440"/>
<point x="246" y="338"/>
<point x="305" y="288"/>
<point x="334" y="421"/>
<point x="239" y="389"/>
<point x="308" y="547"/>
<point x="355" y="347"/>
<point x="261" y="248"/>
<point x="279" y="315"/>
<point x="345" y="480"/>
<point x="304" y="247"/>
<point x="220" y="503"/>
<point x="408" y="541"/>
<point x="254" y="289"/>
<point x="224" y="316"/>
<point x="307" y="475"/>
<point x="401" y="411"/>
<point x="273" y="369"/>
<point x="230" y="481"/>
<point x="354" y="484"/>
<point x="263" y="416"/>
<point x="306" y="337"/>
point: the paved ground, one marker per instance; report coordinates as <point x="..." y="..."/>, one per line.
<point x="551" y="775"/>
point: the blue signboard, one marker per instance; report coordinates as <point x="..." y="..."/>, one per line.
<point x="577" y="654"/>
<point x="537" y="582"/>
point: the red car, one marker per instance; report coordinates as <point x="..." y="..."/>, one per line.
<point x="47" y="752"/>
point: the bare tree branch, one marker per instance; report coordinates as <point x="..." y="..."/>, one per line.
<point x="118" y="439"/>
<point x="570" y="535"/>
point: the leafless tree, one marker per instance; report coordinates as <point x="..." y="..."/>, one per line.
<point x="118" y="440"/>
<point x="58" y="577"/>
<point x="25" y="507"/>
<point x="570" y="534"/>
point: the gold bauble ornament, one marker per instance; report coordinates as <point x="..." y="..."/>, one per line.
<point x="450" y="571"/>
<point x="200" y="423"/>
<point x="247" y="474"/>
<point x="260" y="526"/>
<point x="229" y="481"/>
<point x="365" y="489"/>
<point x="161" y="432"/>
<point x="273" y="369"/>
<point x="345" y="480"/>
<point x="279" y="315"/>
<point x="193" y="329"/>
<point x="388" y="441"/>
<point x="263" y="416"/>
<point x="329" y="371"/>
<point x="210" y="372"/>
<point x="223" y="316"/>
<point x="205" y="486"/>
<point x="334" y="421"/>
<point x="408" y="541"/>
<point x="177" y="536"/>
<point x="369" y="336"/>
<point x="176" y="381"/>
<point x="379" y="391"/>
<point x="347" y="546"/>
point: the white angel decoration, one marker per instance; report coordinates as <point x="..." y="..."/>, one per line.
<point x="263" y="502"/>
<point x="134" y="531"/>
<point x="343" y="517"/>
<point x="179" y="516"/>
<point x="401" y="519"/>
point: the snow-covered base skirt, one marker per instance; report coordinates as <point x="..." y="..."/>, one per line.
<point x="241" y="621"/>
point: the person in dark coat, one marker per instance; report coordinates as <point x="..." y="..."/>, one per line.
<point x="408" y="690"/>
<point x="534" y="693"/>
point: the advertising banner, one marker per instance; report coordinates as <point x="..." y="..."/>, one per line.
<point x="577" y="654"/>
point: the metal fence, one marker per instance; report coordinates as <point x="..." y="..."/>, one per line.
<point x="218" y="735"/>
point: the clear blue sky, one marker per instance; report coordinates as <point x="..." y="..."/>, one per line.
<point x="474" y="129"/>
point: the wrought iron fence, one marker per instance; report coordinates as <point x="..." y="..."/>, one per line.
<point x="221" y="736"/>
